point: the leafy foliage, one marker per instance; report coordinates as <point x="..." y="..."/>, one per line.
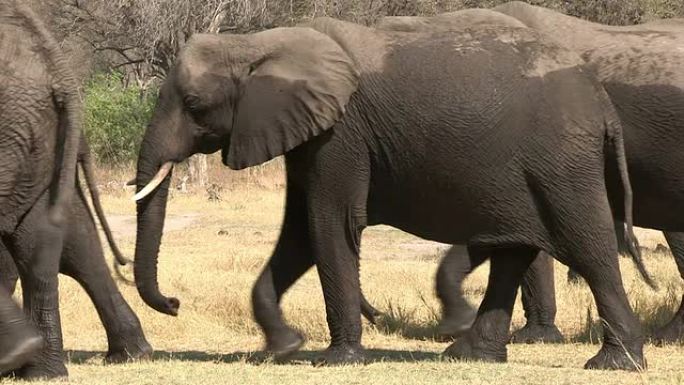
<point x="115" y="117"/>
<point x="141" y="38"/>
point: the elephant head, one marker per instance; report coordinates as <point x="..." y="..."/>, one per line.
<point x="254" y="97"/>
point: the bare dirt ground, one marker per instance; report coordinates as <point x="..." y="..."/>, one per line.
<point x="124" y="225"/>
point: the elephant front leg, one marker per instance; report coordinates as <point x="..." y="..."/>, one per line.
<point x="457" y="314"/>
<point x="336" y="245"/>
<point x="487" y="338"/>
<point x="337" y="216"/>
<point x="673" y="331"/>
<point x="539" y="301"/>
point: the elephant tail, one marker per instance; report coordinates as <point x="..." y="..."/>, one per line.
<point x="615" y="139"/>
<point x="86" y="162"/>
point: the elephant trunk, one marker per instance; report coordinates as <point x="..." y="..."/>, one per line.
<point x="151" y="212"/>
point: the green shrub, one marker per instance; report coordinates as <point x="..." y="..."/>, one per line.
<point x="116" y="117"/>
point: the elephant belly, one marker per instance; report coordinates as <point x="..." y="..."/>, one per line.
<point x="655" y="158"/>
<point x="449" y="211"/>
<point x="659" y="202"/>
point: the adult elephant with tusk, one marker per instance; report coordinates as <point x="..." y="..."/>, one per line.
<point x="495" y="138"/>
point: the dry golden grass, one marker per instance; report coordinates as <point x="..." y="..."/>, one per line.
<point x="211" y="265"/>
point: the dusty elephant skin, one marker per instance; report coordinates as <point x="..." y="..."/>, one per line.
<point x="40" y="132"/>
<point x="641" y="69"/>
<point x="417" y="131"/>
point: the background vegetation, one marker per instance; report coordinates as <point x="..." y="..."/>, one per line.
<point x="115" y="117"/>
<point x="122" y="47"/>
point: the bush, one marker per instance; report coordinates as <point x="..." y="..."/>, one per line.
<point x="613" y="12"/>
<point x="116" y="117"/>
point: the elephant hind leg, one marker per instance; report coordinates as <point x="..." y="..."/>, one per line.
<point x="83" y="260"/>
<point x="594" y="256"/>
<point x="291" y="258"/>
<point x="20" y="341"/>
<point x="673" y="331"/>
<point x="487" y="338"/>
<point x="36" y="246"/>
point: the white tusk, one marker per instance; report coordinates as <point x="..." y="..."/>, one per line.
<point x="155" y="182"/>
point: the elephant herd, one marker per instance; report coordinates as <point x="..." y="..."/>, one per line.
<point x="515" y="134"/>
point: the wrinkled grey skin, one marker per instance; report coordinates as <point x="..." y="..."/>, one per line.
<point x="40" y="130"/>
<point x="83" y="260"/>
<point x="641" y="69"/>
<point x="373" y="133"/>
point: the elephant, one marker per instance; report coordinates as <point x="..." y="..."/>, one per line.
<point x="382" y="127"/>
<point x="641" y="69"/>
<point x="40" y="136"/>
<point x="83" y="260"/>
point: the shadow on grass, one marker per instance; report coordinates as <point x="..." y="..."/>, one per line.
<point x="298" y="358"/>
<point x="407" y="327"/>
<point x="398" y="320"/>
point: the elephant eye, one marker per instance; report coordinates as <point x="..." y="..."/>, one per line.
<point x="192" y="102"/>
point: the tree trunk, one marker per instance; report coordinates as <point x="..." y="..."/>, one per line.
<point x="197" y="167"/>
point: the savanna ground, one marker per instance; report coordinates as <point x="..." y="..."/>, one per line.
<point x="214" y="249"/>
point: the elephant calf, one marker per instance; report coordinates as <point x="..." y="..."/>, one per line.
<point x="496" y="138"/>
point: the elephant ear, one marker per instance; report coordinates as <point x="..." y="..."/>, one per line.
<point x="297" y="89"/>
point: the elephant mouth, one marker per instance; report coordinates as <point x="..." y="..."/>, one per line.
<point x="155" y="182"/>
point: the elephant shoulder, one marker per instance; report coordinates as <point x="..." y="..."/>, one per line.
<point x="368" y="47"/>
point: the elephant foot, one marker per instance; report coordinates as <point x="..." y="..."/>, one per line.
<point x="127" y="351"/>
<point x="341" y="355"/>
<point x="617" y="358"/>
<point x="456" y="322"/>
<point x="534" y="333"/>
<point x="672" y="333"/>
<point x="281" y="344"/>
<point x="44" y="371"/>
<point x="20" y="351"/>
<point x="465" y="349"/>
